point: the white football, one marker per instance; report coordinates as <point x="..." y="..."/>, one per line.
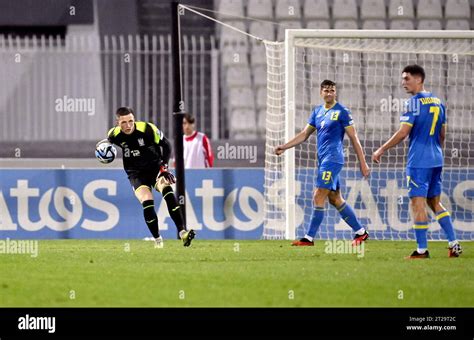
<point x="105" y="152"/>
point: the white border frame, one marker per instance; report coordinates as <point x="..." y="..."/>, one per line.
<point x="290" y="92"/>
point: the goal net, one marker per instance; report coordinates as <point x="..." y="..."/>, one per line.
<point x="366" y="66"/>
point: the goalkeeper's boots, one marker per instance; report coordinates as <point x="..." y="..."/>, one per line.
<point x="187" y="237"/>
<point x="417" y="255"/>
<point x="358" y="239"/>
<point x="302" y="242"/>
<point x="159" y="242"/>
<point x="455" y="250"/>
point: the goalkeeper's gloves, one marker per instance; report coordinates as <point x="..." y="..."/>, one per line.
<point x="167" y="175"/>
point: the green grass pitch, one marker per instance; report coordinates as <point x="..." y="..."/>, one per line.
<point x="93" y="273"/>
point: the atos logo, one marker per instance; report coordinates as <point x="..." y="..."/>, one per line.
<point x="67" y="203"/>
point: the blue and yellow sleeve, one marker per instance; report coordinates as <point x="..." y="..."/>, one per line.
<point x="312" y="118"/>
<point x="346" y="118"/>
<point x="407" y="118"/>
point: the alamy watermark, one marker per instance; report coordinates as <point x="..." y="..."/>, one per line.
<point x="68" y="104"/>
<point x="14" y="247"/>
<point x="243" y="152"/>
<point x="28" y="322"/>
<point x="335" y="246"/>
<point x="400" y="105"/>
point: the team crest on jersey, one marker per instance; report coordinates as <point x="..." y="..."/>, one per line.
<point x="141" y="142"/>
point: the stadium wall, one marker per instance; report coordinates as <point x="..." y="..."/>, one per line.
<point x="222" y="204"/>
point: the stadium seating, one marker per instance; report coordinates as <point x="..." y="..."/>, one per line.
<point x="287" y="25"/>
<point x="244" y="124"/>
<point x="261" y="98"/>
<point x="401" y="9"/>
<point x="259" y="73"/>
<point x="230" y="36"/>
<point x="325" y="72"/>
<point x="460" y="70"/>
<point x="228" y="7"/>
<point x="316" y="9"/>
<point x="260" y="9"/>
<point x="460" y="97"/>
<point x="372" y="127"/>
<point x="337" y="14"/>
<point x="287" y="10"/>
<point x="241" y="98"/>
<point x="457" y="119"/>
<point x="436" y="74"/>
<point x="344" y="9"/>
<point x="375" y="93"/>
<point x="258" y="55"/>
<point x="402" y="25"/>
<point x="236" y="54"/>
<point x="348" y="74"/>
<point x="429" y="9"/>
<point x="265" y="30"/>
<point x="351" y="96"/>
<point x="372" y="9"/>
<point x="438" y="90"/>
<point x="457" y="9"/>
<point x="456" y="24"/>
<point x="318" y="24"/>
<point x="237" y="76"/>
<point x="261" y="126"/>
<point x="345" y="25"/>
<point x="377" y="72"/>
<point x="429" y="25"/>
<point x="374" y="25"/>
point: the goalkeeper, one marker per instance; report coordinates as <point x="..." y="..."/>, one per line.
<point x="331" y="120"/>
<point x="146" y="153"/>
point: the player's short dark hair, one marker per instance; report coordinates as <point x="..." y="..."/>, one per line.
<point x="189" y="118"/>
<point x="123" y="111"/>
<point x="415" y="70"/>
<point x="327" y="83"/>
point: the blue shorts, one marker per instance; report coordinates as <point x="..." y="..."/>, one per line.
<point x="328" y="176"/>
<point x="424" y="182"/>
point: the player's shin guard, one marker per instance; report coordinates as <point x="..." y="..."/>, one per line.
<point x="150" y="217"/>
<point x="421" y="229"/>
<point x="348" y="215"/>
<point x="444" y="220"/>
<point x="316" y="219"/>
<point x="173" y="207"/>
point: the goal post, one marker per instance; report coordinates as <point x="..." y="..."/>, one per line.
<point x="366" y="66"/>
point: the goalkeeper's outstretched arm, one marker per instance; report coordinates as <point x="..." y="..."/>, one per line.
<point x="297" y="140"/>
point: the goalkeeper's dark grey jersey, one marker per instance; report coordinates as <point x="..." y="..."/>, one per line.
<point x="145" y="149"/>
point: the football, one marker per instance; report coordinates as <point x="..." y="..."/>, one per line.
<point x="105" y="152"/>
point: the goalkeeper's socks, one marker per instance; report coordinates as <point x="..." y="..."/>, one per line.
<point x="348" y="215"/>
<point x="316" y="219"/>
<point x="421" y="229"/>
<point x="151" y="219"/>
<point x="173" y="207"/>
<point x="444" y="220"/>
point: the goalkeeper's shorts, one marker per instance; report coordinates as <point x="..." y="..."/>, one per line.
<point x="328" y="175"/>
<point x="424" y="182"/>
<point x="143" y="179"/>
